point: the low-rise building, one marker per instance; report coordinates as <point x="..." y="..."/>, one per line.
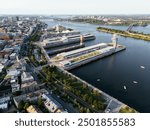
<point x="29" y="87"/>
<point x="12" y="72"/>
<point x="4" y="62"/>
<point x="14" y="84"/>
<point x="4" y="54"/>
<point x="1" y="67"/>
<point x="1" y="42"/>
<point x="51" y="104"/>
<point x="36" y="54"/>
<point x="4" y="102"/>
<point x="13" y="56"/>
<point x="26" y="77"/>
<point x="30" y="97"/>
<point x="33" y="109"/>
<point x="16" y="48"/>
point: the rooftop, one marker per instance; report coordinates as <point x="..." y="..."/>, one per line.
<point x="48" y="97"/>
<point x="82" y="49"/>
<point x="4" y="105"/>
<point x="31" y="95"/>
<point x="13" y="54"/>
<point x="33" y="109"/>
<point x="51" y="104"/>
<point x="4" y="99"/>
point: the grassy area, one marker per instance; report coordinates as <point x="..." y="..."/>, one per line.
<point x="83" y="57"/>
<point x="131" y="34"/>
<point x="77" y="88"/>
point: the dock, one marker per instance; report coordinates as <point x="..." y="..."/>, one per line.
<point x="65" y="40"/>
<point x="65" y="48"/>
<point x="76" y="58"/>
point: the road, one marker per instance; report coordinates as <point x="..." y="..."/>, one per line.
<point x="67" y="107"/>
<point x="77" y="98"/>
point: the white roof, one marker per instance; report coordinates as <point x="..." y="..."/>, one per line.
<point x="51" y="103"/>
<point x="26" y="76"/>
<point x="3" y="61"/>
<point x="1" y="67"/>
<point x="106" y="49"/>
<point x="82" y="49"/>
<point x="13" y="54"/>
<point x="4" y="105"/>
<point x="13" y="73"/>
<point x="4" y="99"/>
<point x="1" y="42"/>
<point x="65" y="62"/>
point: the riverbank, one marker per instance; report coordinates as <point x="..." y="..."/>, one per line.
<point x="131" y="34"/>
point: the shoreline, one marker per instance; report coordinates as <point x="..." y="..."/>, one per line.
<point x="135" y="35"/>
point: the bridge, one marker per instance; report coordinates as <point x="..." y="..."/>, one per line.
<point x="131" y="26"/>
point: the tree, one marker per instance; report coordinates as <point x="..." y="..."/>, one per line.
<point x="96" y="93"/>
<point x="87" y="110"/>
<point x="26" y="105"/>
<point x="85" y="97"/>
<point x="95" y="104"/>
<point x="90" y="100"/>
<point x="21" y="105"/>
<point x="40" y="102"/>
<point x="81" y="109"/>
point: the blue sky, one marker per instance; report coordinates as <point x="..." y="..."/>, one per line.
<point x="74" y="7"/>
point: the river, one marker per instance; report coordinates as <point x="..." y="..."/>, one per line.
<point x="130" y="68"/>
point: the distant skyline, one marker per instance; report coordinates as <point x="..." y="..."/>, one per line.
<point x="55" y="7"/>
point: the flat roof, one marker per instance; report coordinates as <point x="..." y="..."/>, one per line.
<point x="33" y="109"/>
<point x="4" y="99"/>
<point x="106" y="49"/>
<point x="13" y="54"/>
<point x="53" y="100"/>
<point x="13" y="72"/>
<point x="65" y="62"/>
<point x="1" y="66"/>
<point x="4" y="105"/>
<point x="82" y="49"/>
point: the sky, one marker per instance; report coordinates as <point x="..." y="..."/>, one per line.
<point x="54" y="7"/>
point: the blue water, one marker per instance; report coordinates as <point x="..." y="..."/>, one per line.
<point x="145" y="30"/>
<point x="120" y="69"/>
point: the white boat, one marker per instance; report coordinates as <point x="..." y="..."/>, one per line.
<point x="135" y="82"/>
<point x="98" y="80"/>
<point x="142" y="67"/>
<point x="125" y="87"/>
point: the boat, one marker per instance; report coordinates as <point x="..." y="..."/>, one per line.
<point x="135" y="82"/>
<point x="125" y="87"/>
<point x="142" y="67"/>
<point x="98" y="80"/>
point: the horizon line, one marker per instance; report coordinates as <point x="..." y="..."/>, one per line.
<point x="75" y="14"/>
